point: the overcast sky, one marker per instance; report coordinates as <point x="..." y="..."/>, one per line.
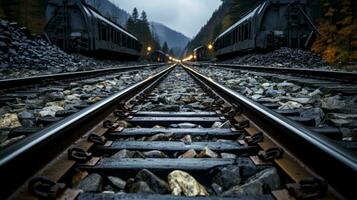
<point x="185" y="16"/>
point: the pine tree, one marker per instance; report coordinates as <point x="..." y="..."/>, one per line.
<point x="172" y="53"/>
<point x="140" y="27"/>
<point x="165" y="48"/>
<point x="135" y="15"/>
<point x="240" y="7"/>
<point x="130" y="25"/>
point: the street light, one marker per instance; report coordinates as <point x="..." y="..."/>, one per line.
<point x="149" y="49"/>
<point x="210" y="46"/>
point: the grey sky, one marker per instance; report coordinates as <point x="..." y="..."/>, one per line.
<point x="185" y="16"/>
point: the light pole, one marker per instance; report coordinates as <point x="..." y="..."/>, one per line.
<point x="210" y="47"/>
<point x="148" y="50"/>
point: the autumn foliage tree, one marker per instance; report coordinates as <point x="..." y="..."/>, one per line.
<point x="338" y="40"/>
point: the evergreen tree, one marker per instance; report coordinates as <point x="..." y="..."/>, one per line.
<point x="240" y="7"/>
<point x="143" y="16"/>
<point x="165" y="48"/>
<point x="140" y="27"/>
<point x="130" y="25"/>
<point x="172" y="53"/>
<point x="135" y="15"/>
<point x="156" y="42"/>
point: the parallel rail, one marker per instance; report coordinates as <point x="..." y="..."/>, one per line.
<point x="313" y="151"/>
<point x="24" y="82"/>
<point x="39" y="149"/>
<point x="332" y="162"/>
<point x="323" y="74"/>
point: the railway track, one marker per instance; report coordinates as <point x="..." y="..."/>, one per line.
<point x="177" y="132"/>
<point x="324" y="83"/>
<point x="27" y="105"/>
<point x="6" y="84"/>
<point x="339" y="76"/>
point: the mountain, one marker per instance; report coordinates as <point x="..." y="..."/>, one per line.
<point x="175" y="40"/>
<point x="219" y="21"/>
<point x="110" y="10"/>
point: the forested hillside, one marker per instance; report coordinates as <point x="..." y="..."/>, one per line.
<point x="226" y="15"/>
<point x="338" y="28"/>
<point x="140" y="26"/>
<point x="216" y="24"/>
<point x="175" y="41"/>
<point x="110" y="10"/>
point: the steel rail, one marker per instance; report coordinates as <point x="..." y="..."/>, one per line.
<point x="332" y="162"/>
<point x="325" y="74"/>
<point x="20" y="161"/>
<point x="23" y="82"/>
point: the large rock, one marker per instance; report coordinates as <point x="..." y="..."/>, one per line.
<point x="263" y="182"/>
<point x="333" y="103"/>
<point x="228" y="176"/>
<point x="316" y="113"/>
<point x="50" y="111"/>
<point x="9" y="120"/>
<point x="27" y="119"/>
<point x="183" y="183"/>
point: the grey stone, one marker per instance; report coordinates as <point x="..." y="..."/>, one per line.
<point x="160" y="137"/>
<point x="267" y="179"/>
<point x="207" y="153"/>
<point x="290" y="105"/>
<point x="117" y="182"/>
<point x="123" y="154"/>
<point x="217" y="188"/>
<point x="333" y="103"/>
<point x="139" y="187"/>
<point x="228" y="155"/>
<point x="155" y="154"/>
<point x="184" y="125"/>
<point x="91" y="183"/>
<point x="155" y="183"/>
<point x="187" y="139"/>
<point x="4" y="133"/>
<point x="228" y="177"/>
<point x="316" y="113"/>
<point x="27" y="119"/>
